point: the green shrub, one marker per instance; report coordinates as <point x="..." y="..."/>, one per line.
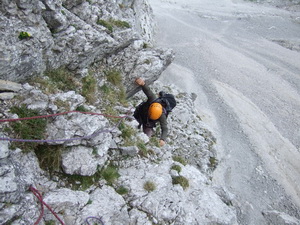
<point x="110" y="174"/>
<point x="213" y="162"/>
<point x="122" y="190"/>
<point x="81" y="108"/>
<point x="24" y="35"/>
<point x="120" y="23"/>
<point x="149" y="186"/>
<point x="177" y="168"/>
<point x="180" y="160"/>
<point x="106" y="24"/>
<point x="181" y="181"/>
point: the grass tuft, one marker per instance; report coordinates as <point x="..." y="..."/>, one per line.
<point x="180" y="160"/>
<point x="114" y="77"/>
<point x="122" y="190"/>
<point x="89" y="88"/>
<point x="149" y="186"/>
<point x="111" y="23"/>
<point x="27" y="129"/>
<point x="177" y="168"/>
<point x="49" y="157"/>
<point x="62" y="79"/>
<point x="181" y="181"/>
<point x="110" y="174"/>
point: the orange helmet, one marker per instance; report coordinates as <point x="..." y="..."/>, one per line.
<point x="155" y="111"/>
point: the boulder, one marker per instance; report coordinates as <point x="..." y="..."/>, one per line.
<point x="79" y="160"/>
<point x="77" y="128"/>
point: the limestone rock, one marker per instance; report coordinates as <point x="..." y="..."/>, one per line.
<point x="79" y="160"/>
<point x="168" y="202"/>
<point x="6" y="85"/>
<point x="276" y="217"/>
<point x="77" y="126"/>
<point x="67" y="200"/>
<point x="7" y="95"/>
<point x="108" y="205"/>
<point x="64" y="33"/>
<point x="4" y="151"/>
<point x="130" y="150"/>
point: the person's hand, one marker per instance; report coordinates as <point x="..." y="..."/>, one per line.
<point x="161" y="143"/>
<point x="140" y="81"/>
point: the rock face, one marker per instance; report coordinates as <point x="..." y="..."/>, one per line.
<point x="151" y="180"/>
<point x="91" y="167"/>
<point x="43" y="35"/>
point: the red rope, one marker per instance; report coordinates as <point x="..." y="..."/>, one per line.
<point x="40" y="198"/>
<point x="58" y="114"/>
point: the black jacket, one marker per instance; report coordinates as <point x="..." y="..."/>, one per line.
<point x="162" y="120"/>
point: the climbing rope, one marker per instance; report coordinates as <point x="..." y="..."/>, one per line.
<point x="40" y="198"/>
<point x="96" y="133"/>
<point x="59" y="114"/>
<point x="93" y="218"/>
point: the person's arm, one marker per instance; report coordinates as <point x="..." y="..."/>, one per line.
<point x="151" y="96"/>
<point x="164" y="129"/>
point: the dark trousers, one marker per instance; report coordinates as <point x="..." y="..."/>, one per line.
<point x="148" y="131"/>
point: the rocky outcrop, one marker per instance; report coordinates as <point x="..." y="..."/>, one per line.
<point x="8" y="89"/>
<point x="42" y="35"/>
<point x="140" y="164"/>
<point x="89" y="166"/>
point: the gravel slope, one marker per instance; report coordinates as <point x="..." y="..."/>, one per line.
<point x="242" y="60"/>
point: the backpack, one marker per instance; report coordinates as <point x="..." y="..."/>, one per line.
<point x="168" y="101"/>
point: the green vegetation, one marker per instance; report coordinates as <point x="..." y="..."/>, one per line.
<point x="145" y="45"/>
<point x="149" y="186"/>
<point x="50" y="222"/>
<point x="57" y="79"/>
<point x="180" y="160"/>
<point x="106" y="24"/>
<point x="213" y="162"/>
<point x="78" y="182"/>
<point x="27" y="129"/>
<point x="181" y="181"/>
<point x="24" y="35"/>
<point x="49" y="157"/>
<point x="177" y="168"/>
<point x="110" y="174"/>
<point x="113" y="92"/>
<point x="122" y="190"/>
<point x="89" y="88"/>
<point x="81" y="108"/>
<point x="153" y="141"/>
<point x="127" y="133"/>
<point x="143" y="149"/>
<point x="114" y="77"/>
<point x="109" y="24"/>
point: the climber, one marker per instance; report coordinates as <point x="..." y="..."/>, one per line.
<point x="152" y="111"/>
